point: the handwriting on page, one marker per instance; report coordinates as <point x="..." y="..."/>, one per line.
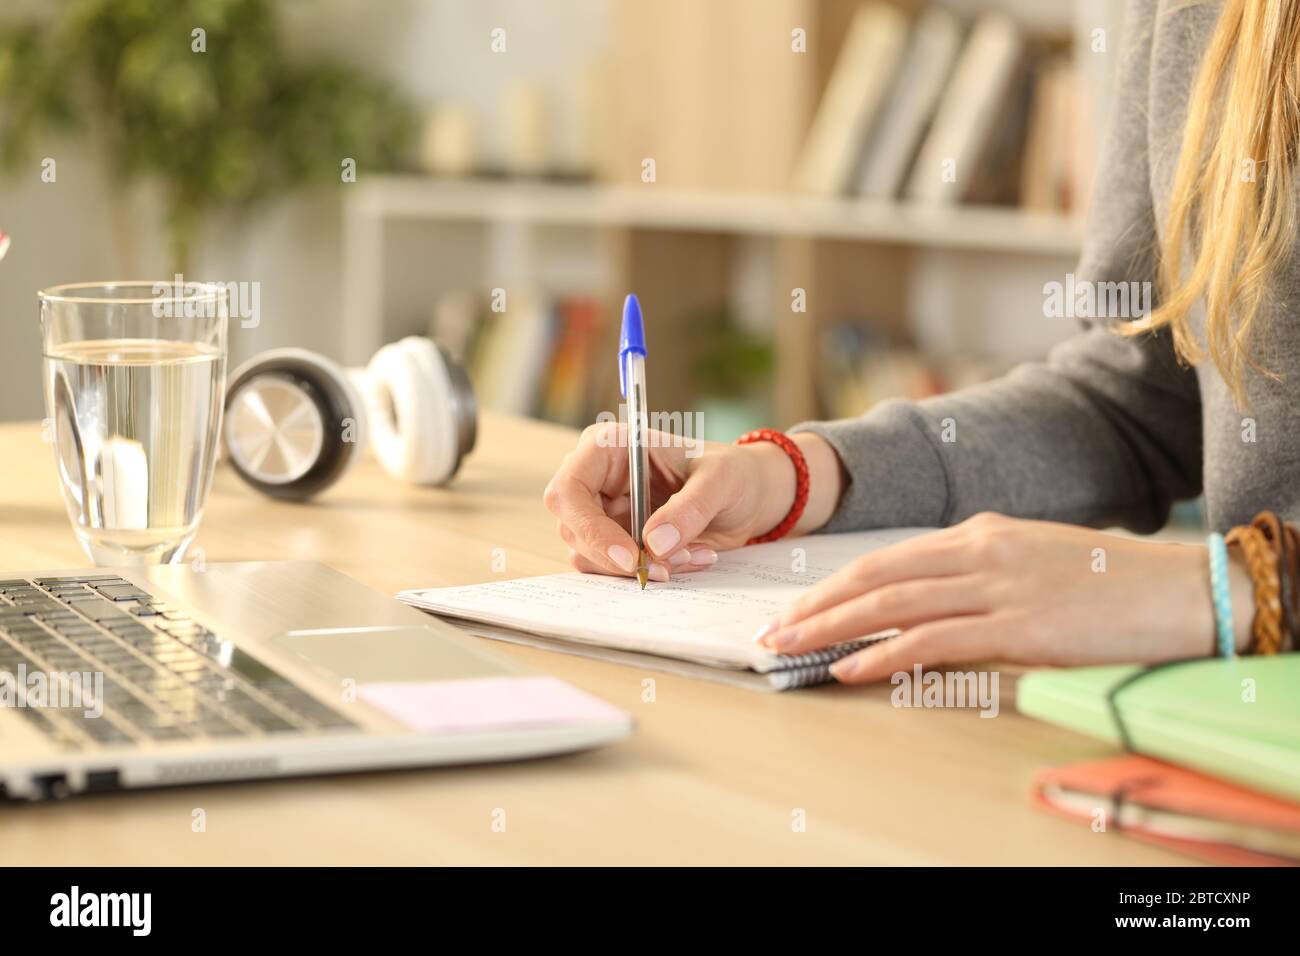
<point x="717" y="601"/>
<point x="712" y="613"/>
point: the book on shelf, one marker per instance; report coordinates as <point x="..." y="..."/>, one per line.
<point x="891" y="148"/>
<point x="859" y="83"/>
<point x="566" y="393"/>
<point x="965" y="127"/>
<point x="1058" y="173"/>
<point x="936" y="112"/>
<point x="512" y="354"/>
<point x="535" y="358"/>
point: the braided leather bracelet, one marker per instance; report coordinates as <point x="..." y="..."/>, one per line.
<point x="1292" y="538"/>
<point x="1284" y="543"/>
<point x="1261" y="562"/>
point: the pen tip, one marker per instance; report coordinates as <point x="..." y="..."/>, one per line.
<point x="642" y="576"/>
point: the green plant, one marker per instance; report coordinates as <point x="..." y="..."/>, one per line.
<point x="230" y="126"/>
<point x="729" y="359"/>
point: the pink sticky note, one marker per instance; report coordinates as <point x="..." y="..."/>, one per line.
<point x="481" y="703"/>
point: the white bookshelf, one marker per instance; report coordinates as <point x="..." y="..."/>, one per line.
<point x="994" y="229"/>
<point x="957" y="280"/>
<point x="377" y="202"/>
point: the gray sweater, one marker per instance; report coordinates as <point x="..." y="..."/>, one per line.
<point x="1108" y="430"/>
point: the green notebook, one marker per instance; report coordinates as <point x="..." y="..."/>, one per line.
<point x="1236" y="719"/>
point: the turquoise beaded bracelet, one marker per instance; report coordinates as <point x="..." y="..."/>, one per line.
<point x="1221" y="594"/>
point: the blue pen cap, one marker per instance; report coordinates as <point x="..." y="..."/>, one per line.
<point x="631" y="340"/>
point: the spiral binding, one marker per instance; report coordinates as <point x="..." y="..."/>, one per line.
<point x="814" y="667"/>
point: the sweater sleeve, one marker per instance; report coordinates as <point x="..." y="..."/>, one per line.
<point x="1106" y="431"/>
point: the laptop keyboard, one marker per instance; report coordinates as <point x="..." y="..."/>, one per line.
<point x="165" y="676"/>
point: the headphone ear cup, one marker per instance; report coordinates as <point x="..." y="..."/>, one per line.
<point x="294" y="423"/>
<point x="414" y="411"/>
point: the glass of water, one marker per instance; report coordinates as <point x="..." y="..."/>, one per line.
<point x="135" y="374"/>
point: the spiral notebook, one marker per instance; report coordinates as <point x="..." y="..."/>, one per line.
<point x="700" y="624"/>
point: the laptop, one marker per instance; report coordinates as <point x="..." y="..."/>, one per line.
<point x="121" y="678"/>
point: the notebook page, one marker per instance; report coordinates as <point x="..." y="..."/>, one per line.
<point x="705" y="616"/>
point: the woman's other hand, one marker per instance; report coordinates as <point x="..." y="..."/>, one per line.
<point x="995" y="588"/>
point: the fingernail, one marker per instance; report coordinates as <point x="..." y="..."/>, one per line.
<point x="622" y="557"/>
<point x="845" y="668"/>
<point x="658" y="573"/>
<point x="784" y="640"/>
<point x="704" y="556"/>
<point x="680" y="557"/>
<point x="663" y="539"/>
<point x="764" y="635"/>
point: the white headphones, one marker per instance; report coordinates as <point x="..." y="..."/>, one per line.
<point x="295" y="422"/>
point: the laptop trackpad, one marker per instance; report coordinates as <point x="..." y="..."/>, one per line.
<point x="397" y="653"/>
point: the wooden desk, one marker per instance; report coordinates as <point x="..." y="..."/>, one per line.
<point x="713" y="775"/>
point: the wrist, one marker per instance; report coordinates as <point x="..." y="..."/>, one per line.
<point x="775" y="490"/>
<point x="777" y="482"/>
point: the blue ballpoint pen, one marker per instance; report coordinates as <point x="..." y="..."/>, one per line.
<point x="631" y="381"/>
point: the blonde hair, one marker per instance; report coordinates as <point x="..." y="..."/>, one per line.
<point x="1232" y="209"/>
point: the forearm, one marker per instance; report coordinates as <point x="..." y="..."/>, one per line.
<point x="1107" y="432"/>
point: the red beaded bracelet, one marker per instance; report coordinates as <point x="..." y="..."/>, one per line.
<point x="787" y="445"/>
